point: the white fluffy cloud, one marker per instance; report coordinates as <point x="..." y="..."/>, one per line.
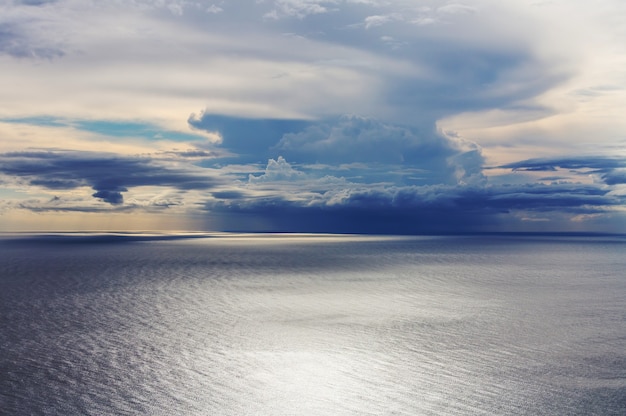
<point x="277" y="170"/>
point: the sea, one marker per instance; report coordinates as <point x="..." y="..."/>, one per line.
<point x="287" y="324"/>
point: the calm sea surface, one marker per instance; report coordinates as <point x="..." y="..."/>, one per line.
<point x="312" y="325"/>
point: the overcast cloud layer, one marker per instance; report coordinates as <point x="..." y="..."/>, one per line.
<point x="313" y="116"/>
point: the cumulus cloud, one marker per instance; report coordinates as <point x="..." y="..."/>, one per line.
<point x="376" y="150"/>
<point x="354" y="139"/>
<point x="277" y="170"/>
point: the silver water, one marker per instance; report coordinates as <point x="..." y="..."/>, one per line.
<point x="316" y="325"/>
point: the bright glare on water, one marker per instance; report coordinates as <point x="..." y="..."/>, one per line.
<point x="312" y="325"/>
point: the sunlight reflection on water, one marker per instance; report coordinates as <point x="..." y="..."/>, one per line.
<point x="324" y="326"/>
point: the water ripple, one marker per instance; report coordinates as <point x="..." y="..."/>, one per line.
<point x="326" y="326"/>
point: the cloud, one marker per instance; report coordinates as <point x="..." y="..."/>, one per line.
<point x="16" y="43"/>
<point x="432" y="91"/>
<point x="298" y="8"/>
<point x="615" y="177"/>
<point x="36" y="2"/>
<point x="611" y="170"/>
<point x="463" y="78"/>
<point x="409" y="210"/>
<point x="287" y="199"/>
<point x="385" y="151"/>
<point x="199" y="59"/>
<point x="214" y="9"/>
<point x="599" y="164"/>
<point x="112" y="197"/>
<point x="277" y="170"/>
<point x="194" y="58"/>
<point x="192" y="153"/>
<point x="109" y="175"/>
<point x="249" y="138"/>
<point x="379" y="20"/>
<point x="354" y="139"/>
<point x="456" y="8"/>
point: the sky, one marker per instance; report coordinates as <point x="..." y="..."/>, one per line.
<point x="338" y="116"/>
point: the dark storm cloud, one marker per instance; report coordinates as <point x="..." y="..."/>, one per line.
<point x="108" y="175"/>
<point x="409" y="210"/>
<point x="486" y="200"/>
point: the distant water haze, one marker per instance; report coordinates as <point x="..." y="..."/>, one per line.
<point x="312" y="325"/>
